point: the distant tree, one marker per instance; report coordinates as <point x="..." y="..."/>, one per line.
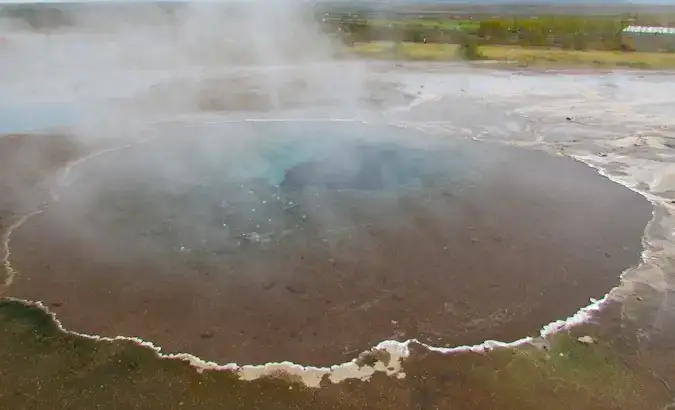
<point x="469" y="48"/>
<point x="494" y="29"/>
<point x="580" y="41"/>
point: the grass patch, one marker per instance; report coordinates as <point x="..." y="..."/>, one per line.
<point x="521" y="56"/>
<point x="438" y="24"/>
<point x="570" y="58"/>
<point x="389" y="50"/>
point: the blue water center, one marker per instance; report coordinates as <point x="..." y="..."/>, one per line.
<point x="348" y="156"/>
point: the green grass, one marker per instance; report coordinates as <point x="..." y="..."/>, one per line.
<point x="440" y="24"/>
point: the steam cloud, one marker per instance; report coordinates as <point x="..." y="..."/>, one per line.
<point x="127" y="72"/>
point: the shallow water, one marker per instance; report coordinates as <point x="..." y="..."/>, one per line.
<point x="215" y="236"/>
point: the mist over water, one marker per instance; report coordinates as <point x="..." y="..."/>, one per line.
<point x="286" y="181"/>
<point x="107" y="74"/>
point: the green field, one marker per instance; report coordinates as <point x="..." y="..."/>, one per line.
<point x="440" y="24"/>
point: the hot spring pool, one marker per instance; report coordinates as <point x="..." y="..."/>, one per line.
<point x="310" y="242"/>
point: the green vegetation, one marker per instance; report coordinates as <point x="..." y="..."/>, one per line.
<point x="409" y="30"/>
<point x="565" y="32"/>
<point x="469" y="49"/>
<point x="426" y="24"/>
<point x="553" y="41"/>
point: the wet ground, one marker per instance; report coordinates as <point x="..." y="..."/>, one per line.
<point x="554" y="227"/>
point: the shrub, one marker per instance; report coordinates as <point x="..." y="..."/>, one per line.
<point x="469" y="49"/>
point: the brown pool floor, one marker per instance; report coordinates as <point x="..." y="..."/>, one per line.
<point x="529" y="241"/>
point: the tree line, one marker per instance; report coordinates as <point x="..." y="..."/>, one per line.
<point x="557" y="31"/>
<point x="568" y="32"/>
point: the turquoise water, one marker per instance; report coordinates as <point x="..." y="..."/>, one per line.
<point x="274" y="158"/>
<point x="352" y="156"/>
<point x="232" y="184"/>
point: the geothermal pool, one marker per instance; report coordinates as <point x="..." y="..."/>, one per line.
<point x="313" y="241"/>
